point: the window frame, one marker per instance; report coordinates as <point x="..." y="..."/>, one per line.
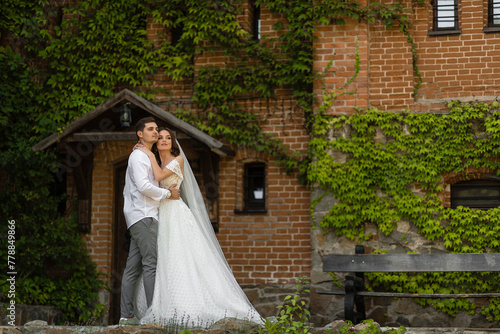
<point x="256" y="22"/>
<point x="491" y="26"/>
<point x="250" y="202"/>
<point x="437" y="19"/>
<point x="478" y="184"/>
<point x="253" y="178"/>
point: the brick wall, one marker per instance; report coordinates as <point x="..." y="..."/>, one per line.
<point x="464" y="66"/>
<point x="265" y="248"/>
<point x="336" y="47"/>
<point x="100" y="240"/>
<point x="261" y="248"/>
<point x="273" y="247"/>
<point x="461" y="66"/>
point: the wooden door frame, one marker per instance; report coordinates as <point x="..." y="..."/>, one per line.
<point x="116" y="273"/>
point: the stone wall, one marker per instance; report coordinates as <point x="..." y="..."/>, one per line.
<point x="27" y="313"/>
<point x="385" y="311"/>
<point x="267" y="297"/>
<point x="404" y="239"/>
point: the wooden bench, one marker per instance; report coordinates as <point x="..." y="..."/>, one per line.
<point x="360" y="263"/>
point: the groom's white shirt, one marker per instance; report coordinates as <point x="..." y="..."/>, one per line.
<point x="141" y="194"/>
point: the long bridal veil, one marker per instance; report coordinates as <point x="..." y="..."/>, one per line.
<point x="191" y="193"/>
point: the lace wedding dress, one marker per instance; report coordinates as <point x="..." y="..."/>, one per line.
<point x="194" y="285"/>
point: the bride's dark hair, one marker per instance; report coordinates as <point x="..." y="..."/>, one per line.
<point x="175" y="148"/>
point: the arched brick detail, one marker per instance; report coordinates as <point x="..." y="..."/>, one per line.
<point x="452" y="178"/>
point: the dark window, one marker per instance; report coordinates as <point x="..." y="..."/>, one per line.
<point x="445" y="16"/>
<point x="476" y="194"/>
<point x="256" y="23"/>
<point x="58" y="190"/>
<point x="493" y="13"/>
<point x="254" y="191"/>
<point x="177" y="32"/>
<point x="178" y="20"/>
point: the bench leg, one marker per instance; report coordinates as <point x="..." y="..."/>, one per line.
<point x="350" y="296"/>
<point x="360" y="300"/>
<point x="352" y="300"/>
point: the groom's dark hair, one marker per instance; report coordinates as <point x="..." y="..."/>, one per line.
<point x="141" y="124"/>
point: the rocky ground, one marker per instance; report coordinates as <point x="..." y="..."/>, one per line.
<point x="225" y="326"/>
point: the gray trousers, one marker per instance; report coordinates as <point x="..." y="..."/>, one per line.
<point x="141" y="259"/>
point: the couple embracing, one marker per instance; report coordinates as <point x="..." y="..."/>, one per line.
<point x="176" y="272"/>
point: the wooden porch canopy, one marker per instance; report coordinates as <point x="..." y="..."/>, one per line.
<point x="105" y="124"/>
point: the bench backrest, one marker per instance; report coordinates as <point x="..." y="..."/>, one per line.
<point x="411" y="262"/>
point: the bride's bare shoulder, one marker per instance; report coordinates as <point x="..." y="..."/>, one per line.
<point x="180" y="160"/>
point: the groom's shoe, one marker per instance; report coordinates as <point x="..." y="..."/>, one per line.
<point x="129" y="321"/>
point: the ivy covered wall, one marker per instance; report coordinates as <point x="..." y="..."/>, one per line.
<point x="383" y="158"/>
<point x="388" y="176"/>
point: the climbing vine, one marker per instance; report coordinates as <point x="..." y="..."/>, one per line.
<point x="77" y="54"/>
<point x="45" y="242"/>
<point x="381" y="156"/>
<point x="82" y="52"/>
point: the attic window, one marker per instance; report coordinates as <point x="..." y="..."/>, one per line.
<point x="476" y="194"/>
<point x="445" y="17"/>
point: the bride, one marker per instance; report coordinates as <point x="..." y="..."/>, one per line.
<point x="194" y="284"/>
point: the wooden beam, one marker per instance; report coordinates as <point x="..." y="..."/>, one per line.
<point x="412" y="262"/>
<point x="412" y="295"/>
<point x="149" y="107"/>
<point x="103" y="136"/>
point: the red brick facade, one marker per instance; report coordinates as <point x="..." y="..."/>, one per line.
<point x="267" y="248"/>
<point x="465" y="66"/>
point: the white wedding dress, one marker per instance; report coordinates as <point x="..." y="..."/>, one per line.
<point x="194" y="285"/>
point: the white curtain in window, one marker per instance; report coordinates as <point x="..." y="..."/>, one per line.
<point x="445" y="14"/>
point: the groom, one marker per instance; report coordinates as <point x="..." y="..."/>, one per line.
<point x="142" y="196"/>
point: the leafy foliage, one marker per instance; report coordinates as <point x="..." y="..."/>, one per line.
<point x="369" y="327"/>
<point x="45" y="243"/>
<point x="83" y="52"/>
<point x="382" y="156"/>
<point x="66" y="57"/>
<point x="294" y="315"/>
